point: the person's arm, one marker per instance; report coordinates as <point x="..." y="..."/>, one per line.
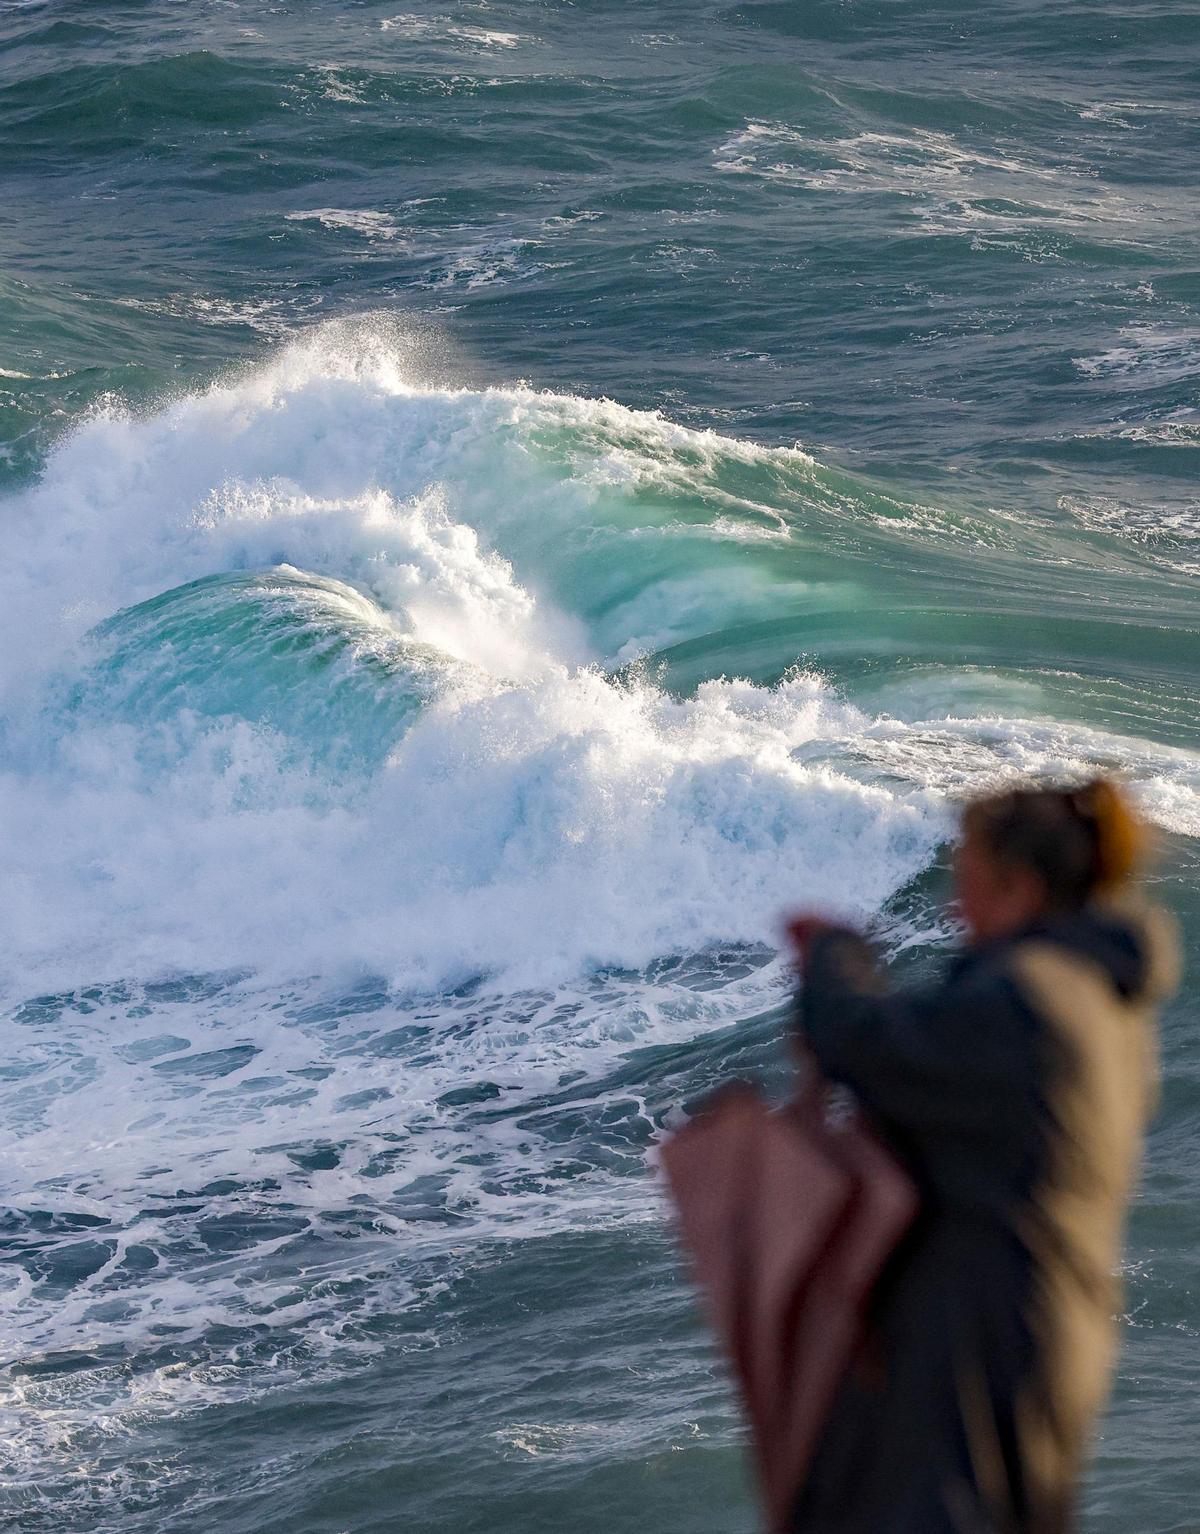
<point x="958" y="1058"/>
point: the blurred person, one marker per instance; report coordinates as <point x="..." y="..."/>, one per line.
<point x="1016" y="1091"/>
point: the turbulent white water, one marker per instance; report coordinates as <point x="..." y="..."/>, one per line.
<point x="401" y="753"/>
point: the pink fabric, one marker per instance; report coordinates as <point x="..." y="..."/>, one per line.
<point x="788" y="1222"/>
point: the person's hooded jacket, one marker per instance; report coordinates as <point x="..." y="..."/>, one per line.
<point x="1017" y="1092"/>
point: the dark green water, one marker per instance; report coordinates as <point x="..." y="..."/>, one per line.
<point x="501" y="501"/>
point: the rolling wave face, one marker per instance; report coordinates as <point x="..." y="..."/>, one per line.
<point x="326" y="691"/>
<point x="333" y="653"/>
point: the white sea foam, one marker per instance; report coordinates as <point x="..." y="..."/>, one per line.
<point x="1133" y="114"/>
<point x="1169" y="534"/>
<point x="992" y="197"/>
<point x="480" y="262"/>
<point x="270" y="316"/>
<point x="444" y="28"/>
<point x="336" y="86"/>
<point x="1147" y="356"/>
<point x="1175" y="427"/>
<point x="368" y="222"/>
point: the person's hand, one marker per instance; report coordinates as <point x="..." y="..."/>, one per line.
<point x="804" y="929"/>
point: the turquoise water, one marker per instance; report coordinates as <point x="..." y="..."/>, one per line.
<point x="501" y="501"/>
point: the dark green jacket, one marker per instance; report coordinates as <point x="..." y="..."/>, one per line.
<point x="1017" y="1092"/>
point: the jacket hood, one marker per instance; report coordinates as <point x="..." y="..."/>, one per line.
<point x="1135" y="942"/>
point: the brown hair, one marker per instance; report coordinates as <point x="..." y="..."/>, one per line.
<point x="1081" y="842"/>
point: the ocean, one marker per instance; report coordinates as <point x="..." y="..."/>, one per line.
<point x="500" y="502"/>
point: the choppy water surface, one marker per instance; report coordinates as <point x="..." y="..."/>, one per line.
<point x="498" y="502"/>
